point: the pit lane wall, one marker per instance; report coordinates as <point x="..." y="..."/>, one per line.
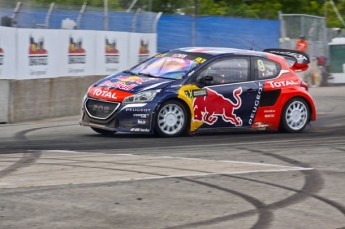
<point x="45" y="73"/>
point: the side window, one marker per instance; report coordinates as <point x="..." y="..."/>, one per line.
<point x="266" y="69"/>
<point x="229" y="70"/>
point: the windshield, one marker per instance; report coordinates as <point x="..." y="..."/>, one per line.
<point x="166" y="67"/>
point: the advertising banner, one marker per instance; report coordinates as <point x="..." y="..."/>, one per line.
<point x="141" y="47"/>
<point x="7" y="53"/>
<point x="77" y="52"/>
<point x="37" y="53"/>
<point x="111" y="52"/>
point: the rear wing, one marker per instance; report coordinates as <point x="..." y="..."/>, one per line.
<point x="298" y="61"/>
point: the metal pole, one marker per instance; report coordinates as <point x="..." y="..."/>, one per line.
<point x="131" y="6"/>
<point x="134" y="22"/>
<point x="154" y="27"/>
<point x="106" y="15"/>
<point x="282" y="29"/>
<point x="82" y="10"/>
<point x="150" y="5"/>
<point x="15" y="13"/>
<point x="194" y="22"/>
<point x="46" y="24"/>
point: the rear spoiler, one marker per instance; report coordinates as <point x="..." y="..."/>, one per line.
<point x="300" y="59"/>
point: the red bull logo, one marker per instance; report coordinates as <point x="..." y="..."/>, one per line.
<point x="208" y="108"/>
<point x="131" y="79"/>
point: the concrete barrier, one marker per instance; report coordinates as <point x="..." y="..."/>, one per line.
<point x="35" y="99"/>
<point x="4" y="100"/>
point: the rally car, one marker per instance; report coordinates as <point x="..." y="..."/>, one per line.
<point x="188" y="89"/>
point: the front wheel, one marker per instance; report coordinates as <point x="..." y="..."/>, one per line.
<point x="103" y="132"/>
<point x="295" y="116"/>
<point x="171" y="119"/>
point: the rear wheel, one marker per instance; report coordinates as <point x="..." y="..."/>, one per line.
<point x="103" y="132"/>
<point x="295" y="116"/>
<point x="171" y="119"/>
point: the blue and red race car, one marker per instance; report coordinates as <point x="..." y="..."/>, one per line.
<point x="189" y="89"/>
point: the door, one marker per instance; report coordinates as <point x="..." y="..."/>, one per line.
<point x="231" y="99"/>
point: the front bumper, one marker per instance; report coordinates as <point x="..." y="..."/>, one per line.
<point x="127" y="117"/>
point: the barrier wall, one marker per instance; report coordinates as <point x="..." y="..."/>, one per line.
<point x="4" y="93"/>
<point x="45" y="73"/>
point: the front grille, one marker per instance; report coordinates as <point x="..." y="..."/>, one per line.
<point x="100" y="109"/>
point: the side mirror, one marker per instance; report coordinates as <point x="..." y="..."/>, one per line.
<point x="204" y="81"/>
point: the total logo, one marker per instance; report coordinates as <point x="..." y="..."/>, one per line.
<point x="38" y="55"/>
<point x="76" y="52"/>
<point x="277" y="84"/>
<point x="111" y="53"/>
<point x="99" y="92"/>
<point x="143" y="51"/>
<point x="208" y="108"/>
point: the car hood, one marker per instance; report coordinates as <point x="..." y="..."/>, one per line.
<point x="119" y="86"/>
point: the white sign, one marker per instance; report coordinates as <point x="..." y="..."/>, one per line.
<point x="48" y="53"/>
<point x="141" y="47"/>
<point x="7" y="53"/>
<point x="77" y="56"/>
<point x="38" y="53"/>
<point x="111" y="52"/>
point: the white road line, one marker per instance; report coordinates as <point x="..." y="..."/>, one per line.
<point x="182" y="158"/>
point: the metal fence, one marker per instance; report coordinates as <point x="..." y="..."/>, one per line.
<point x="56" y="16"/>
<point x="312" y="27"/>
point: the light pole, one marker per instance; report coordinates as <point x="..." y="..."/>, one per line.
<point x="106" y="15"/>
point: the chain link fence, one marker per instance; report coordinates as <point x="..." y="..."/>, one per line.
<point x="312" y="27"/>
<point x="56" y="16"/>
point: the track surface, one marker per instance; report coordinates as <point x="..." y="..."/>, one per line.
<point x="176" y="198"/>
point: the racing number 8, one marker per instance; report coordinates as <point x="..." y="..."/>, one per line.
<point x="261" y="65"/>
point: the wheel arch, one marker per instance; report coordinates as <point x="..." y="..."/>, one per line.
<point x="310" y="103"/>
<point x="184" y="103"/>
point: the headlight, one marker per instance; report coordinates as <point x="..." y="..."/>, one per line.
<point x="142" y="97"/>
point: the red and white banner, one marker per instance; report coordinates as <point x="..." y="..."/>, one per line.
<point x="48" y="53"/>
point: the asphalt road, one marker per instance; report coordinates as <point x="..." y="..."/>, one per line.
<point x="56" y="174"/>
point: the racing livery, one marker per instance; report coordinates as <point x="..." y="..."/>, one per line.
<point x="188" y="89"/>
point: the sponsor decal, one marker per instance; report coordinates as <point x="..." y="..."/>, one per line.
<point x="179" y="55"/>
<point x="137" y="109"/>
<point x="140" y="121"/>
<point x="208" y="108"/>
<point x="269" y="111"/>
<point x="125" y="82"/>
<point x="269" y="115"/>
<point x="143" y="51"/>
<point x="139" y="130"/>
<point x="100" y="92"/>
<point x="141" y="115"/>
<point x="260" y="125"/>
<point x="200" y="60"/>
<point x="76" y="52"/>
<point x="275" y="84"/>
<point x="111" y="52"/>
<point x="195" y="93"/>
<point x="38" y="55"/>
<point x="256" y="103"/>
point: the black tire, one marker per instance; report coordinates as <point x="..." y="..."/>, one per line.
<point x="295" y="116"/>
<point x="103" y="132"/>
<point x="171" y="119"/>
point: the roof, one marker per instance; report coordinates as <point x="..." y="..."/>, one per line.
<point x="220" y="50"/>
